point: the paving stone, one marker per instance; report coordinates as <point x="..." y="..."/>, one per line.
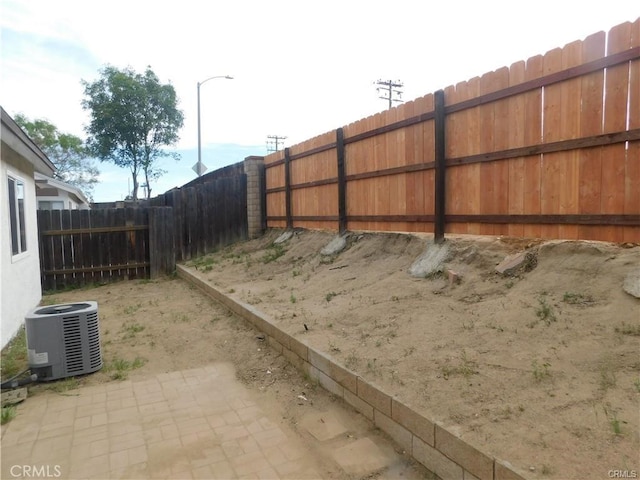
<point x="363" y="457"/>
<point x="323" y="426"/>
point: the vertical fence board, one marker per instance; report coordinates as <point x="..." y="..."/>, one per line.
<point x="615" y="115"/>
<point x="590" y="176"/>
<point x="632" y="167"/>
<point x="515" y="138"/>
<point x="67" y="247"/>
<point x="551" y="163"/>
<point x="533" y="136"/>
<point x="570" y="98"/>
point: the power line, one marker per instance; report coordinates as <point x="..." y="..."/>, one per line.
<point x="274" y="143"/>
<point x="389" y="88"/>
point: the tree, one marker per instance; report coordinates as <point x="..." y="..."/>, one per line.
<point x="132" y="117"/>
<point x="67" y="152"/>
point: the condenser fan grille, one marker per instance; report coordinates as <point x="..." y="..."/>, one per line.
<point x="93" y="329"/>
<point x="72" y="344"/>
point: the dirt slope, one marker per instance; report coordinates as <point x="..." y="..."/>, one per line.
<point x="540" y="369"/>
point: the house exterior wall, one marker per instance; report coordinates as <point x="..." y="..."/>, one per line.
<point x="20" y="289"/>
<point x="69" y="203"/>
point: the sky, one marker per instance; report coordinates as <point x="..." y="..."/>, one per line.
<point x="300" y="68"/>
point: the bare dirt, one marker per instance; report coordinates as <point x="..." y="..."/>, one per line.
<point x="541" y="369"/>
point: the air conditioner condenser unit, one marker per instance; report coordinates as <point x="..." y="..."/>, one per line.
<point x="63" y="340"/>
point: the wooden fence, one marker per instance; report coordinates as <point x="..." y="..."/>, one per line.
<point x="142" y="239"/>
<point x="546" y="148"/>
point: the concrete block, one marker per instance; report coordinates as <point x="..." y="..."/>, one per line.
<point x="511" y="263"/>
<point x="283" y="337"/>
<point x="454" y="277"/>
<point x="374" y="396"/>
<point x="327" y="382"/>
<point x="504" y="471"/>
<point x="464" y="454"/>
<point x="299" y="348"/>
<point x="435" y="461"/>
<point x="295" y="360"/>
<point x="469" y="476"/>
<point x="400" y="435"/>
<point x="413" y="421"/>
<point x="360" y="405"/>
<point x="276" y="345"/>
<point x="340" y="374"/>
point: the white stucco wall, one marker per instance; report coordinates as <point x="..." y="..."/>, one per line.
<point x="20" y="289"/>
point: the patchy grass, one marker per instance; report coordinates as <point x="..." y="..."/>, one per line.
<point x="14" y="357"/>
<point x="329" y="296"/>
<point x="578" y="299"/>
<point x="545" y="312"/>
<point x="64" y="385"/>
<point x="625" y="329"/>
<point x="465" y="367"/>
<point x="120" y="368"/>
<point x="8" y="414"/>
<point x="130" y="330"/>
<point x="274" y="251"/>
<point x="540" y="372"/>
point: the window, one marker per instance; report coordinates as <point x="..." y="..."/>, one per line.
<point x="50" y="205"/>
<point x="16" y="216"/>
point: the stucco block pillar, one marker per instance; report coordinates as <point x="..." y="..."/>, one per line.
<point x="256" y="196"/>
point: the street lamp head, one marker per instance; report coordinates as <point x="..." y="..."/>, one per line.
<point x="228" y="77"/>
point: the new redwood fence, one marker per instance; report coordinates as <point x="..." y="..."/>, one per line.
<point x="143" y="239"/>
<point x="546" y="148"/>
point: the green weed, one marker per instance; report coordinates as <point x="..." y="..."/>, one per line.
<point x="121" y="367"/>
<point x="8" y="414"/>
<point x="330" y="296"/>
<point x="131" y="309"/>
<point x="625" y="329"/>
<point x="545" y="311"/>
<point x="540" y="372"/>
<point x="578" y="299"/>
<point x="274" y="251"/>
<point x="131" y="329"/>
<point x="14" y="355"/>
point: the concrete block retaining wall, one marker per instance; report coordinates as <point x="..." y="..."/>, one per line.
<point x="428" y="442"/>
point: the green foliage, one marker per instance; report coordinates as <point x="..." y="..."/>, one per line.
<point x="67" y="152"/>
<point x="274" y="252"/>
<point x="545" y="311"/>
<point x="14" y="356"/>
<point x="625" y="329"/>
<point x="8" y="413"/>
<point x="133" y="116"/>
<point x="121" y="367"/>
<point x="329" y="296"/>
<point x="540" y="372"/>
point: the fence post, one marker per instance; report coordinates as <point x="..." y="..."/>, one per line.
<point x="287" y="187"/>
<point x="440" y="167"/>
<point x="342" y="182"/>
<point x="256" y="198"/>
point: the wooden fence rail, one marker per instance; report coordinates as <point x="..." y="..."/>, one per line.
<point x="545" y="148"/>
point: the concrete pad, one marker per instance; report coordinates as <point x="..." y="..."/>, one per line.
<point x="283" y="237"/>
<point x="323" y="426"/>
<point x="335" y="246"/>
<point x="430" y="261"/>
<point x="364" y="457"/>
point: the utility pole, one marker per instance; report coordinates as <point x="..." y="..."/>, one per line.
<point x="389" y="88"/>
<point x="273" y="142"/>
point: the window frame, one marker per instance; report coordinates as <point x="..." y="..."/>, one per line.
<point x="14" y="210"/>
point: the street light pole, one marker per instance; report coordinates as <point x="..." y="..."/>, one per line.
<point x="198" y="167"/>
